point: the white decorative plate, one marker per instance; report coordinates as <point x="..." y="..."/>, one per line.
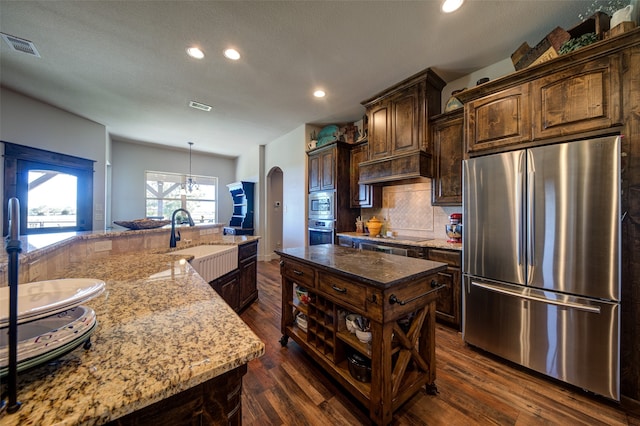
<point x="47" y="338"/>
<point x="44" y="298"/>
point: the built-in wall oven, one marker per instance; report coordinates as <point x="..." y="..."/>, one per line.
<point x="321" y="222"/>
<point x="321" y="231"/>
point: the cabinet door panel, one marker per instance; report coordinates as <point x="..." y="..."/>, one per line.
<point x="579" y="99"/>
<point x="405" y="125"/>
<point x="380" y="131"/>
<point x="361" y="195"/>
<point x="447" y="145"/>
<point x="328" y="170"/>
<point x="499" y="120"/>
<point x="314" y="173"/>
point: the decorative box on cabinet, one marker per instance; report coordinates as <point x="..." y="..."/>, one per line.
<point x="362" y="195"/>
<point x="399" y="129"/>
<point x="448" y="147"/>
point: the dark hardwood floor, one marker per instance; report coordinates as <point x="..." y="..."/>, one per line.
<point x="286" y="387"/>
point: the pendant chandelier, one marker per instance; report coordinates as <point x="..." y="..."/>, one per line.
<point x="191" y="183"/>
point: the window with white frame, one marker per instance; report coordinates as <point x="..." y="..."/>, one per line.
<point x="166" y="192"/>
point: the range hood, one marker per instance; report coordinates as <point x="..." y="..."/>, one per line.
<point x="411" y="165"/>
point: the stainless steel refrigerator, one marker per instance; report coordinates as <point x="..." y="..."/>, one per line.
<point x="541" y="260"/>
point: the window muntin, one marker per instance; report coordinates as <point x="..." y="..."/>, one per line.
<point x="166" y="192"/>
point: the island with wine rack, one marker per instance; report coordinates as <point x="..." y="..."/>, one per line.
<point x="395" y="296"/>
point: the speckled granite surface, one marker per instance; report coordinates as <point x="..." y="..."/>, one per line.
<point x="375" y="268"/>
<point x="161" y="329"/>
<point x="429" y="243"/>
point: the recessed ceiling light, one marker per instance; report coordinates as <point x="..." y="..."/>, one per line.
<point x="319" y="93"/>
<point x="449" y="6"/>
<point x="195" y="52"/>
<point x="232" y="54"/>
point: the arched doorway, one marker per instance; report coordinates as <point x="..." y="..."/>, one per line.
<point x="275" y="195"/>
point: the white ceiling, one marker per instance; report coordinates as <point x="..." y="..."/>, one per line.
<point x="123" y="63"/>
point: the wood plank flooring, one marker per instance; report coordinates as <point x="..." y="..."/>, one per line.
<point x="286" y="387"/>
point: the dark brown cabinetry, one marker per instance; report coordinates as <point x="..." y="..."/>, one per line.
<point x="217" y="401"/>
<point x="579" y="99"/>
<point x="499" y="119"/>
<point x="329" y="171"/>
<point x="248" y="271"/>
<point x="448" y="141"/>
<point x="402" y="361"/>
<point x="238" y="288"/>
<point x="362" y="195"/>
<point x="582" y="98"/>
<point x="322" y="168"/>
<point x="399" y="129"/>
<point x="449" y="300"/>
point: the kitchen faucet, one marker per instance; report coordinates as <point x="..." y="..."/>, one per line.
<point x="174" y="238"/>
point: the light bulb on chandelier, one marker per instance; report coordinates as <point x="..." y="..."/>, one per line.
<point x="191" y="183"/>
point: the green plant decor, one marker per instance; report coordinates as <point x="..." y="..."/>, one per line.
<point x="578" y="42"/>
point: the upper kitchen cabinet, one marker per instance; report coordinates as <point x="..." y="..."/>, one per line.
<point x="448" y="140"/>
<point x="329" y="167"/>
<point x="575" y="94"/>
<point x="578" y="99"/>
<point x="399" y="129"/>
<point x="362" y="195"/>
<point x="499" y="119"/>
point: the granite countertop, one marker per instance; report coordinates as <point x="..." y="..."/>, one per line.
<point x="408" y="241"/>
<point x="161" y="330"/>
<point x="378" y="269"/>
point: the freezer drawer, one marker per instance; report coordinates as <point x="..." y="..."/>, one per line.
<point x="573" y="339"/>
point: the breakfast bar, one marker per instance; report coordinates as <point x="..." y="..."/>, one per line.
<point x="167" y="350"/>
<point x="394" y="296"/>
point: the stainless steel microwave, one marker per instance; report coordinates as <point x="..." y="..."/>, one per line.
<point x="322" y="205"/>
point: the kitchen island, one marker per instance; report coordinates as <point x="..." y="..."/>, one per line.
<point x="396" y="295"/>
<point x="167" y="350"/>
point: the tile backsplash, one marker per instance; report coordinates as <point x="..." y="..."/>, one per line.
<point x="407" y="210"/>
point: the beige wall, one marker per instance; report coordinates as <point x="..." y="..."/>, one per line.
<point x="288" y="153"/>
<point x="29" y="122"/>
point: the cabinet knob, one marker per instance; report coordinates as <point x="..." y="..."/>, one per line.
<point x="282" y="263"/>
<point x="434" y="284"/>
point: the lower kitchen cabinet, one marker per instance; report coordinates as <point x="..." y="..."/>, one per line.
<point x="238" y="288"/>
<point x="248" y="271"/>
<point x="449" y="302"/>
<point x="215" y="402"/>
<point x="399" y="358"/>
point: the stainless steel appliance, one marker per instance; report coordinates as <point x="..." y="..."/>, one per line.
<point x="322" y="205"/>
<point x="321" y="231"/>
<point x="384" y="249"/>
<point x="541" y="260"/>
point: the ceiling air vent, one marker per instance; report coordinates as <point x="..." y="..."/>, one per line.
<point x="198" y="105"/>
<point x="21" y="45"/>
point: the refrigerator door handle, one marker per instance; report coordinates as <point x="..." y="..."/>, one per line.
<point x="531" y="219"/>
<point x="502" y="290"/>
<point x="519" y="198"/>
